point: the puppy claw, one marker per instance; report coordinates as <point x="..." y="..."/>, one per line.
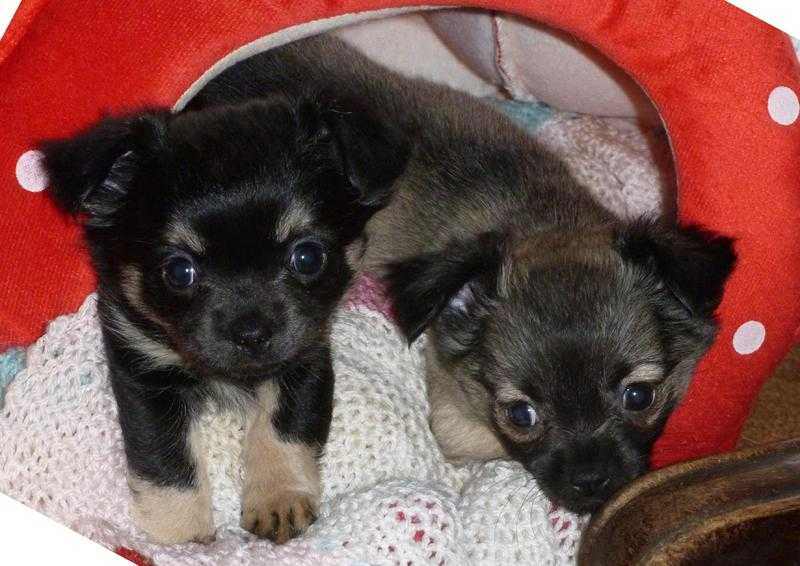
<point x="206" y="539"/>
<point x="280" y="517"/>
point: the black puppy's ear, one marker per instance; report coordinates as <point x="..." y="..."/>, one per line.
<point x="693" y="263"/>
<point x="372" y="153"/>
<point x="452" y="283"/>
<point x="91" y="172"/>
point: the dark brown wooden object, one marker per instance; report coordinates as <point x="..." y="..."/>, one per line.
<point x="741" y="508"/>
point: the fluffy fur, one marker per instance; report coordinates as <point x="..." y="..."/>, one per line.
<point x="218" y="236"/>
<point x="541" y="307"/>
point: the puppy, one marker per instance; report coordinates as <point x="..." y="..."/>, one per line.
<point x="565" y="349"/>
<point x="218" y="237"/>
<point x="557" y="334"/>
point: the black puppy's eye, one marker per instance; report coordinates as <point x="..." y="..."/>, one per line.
<point x="179" y="272"/>
<point x="522" y="415"/>
<point x="307" y="258"/>
<point x="637" y="396"/>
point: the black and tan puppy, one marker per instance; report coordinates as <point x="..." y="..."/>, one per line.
<point x="218" y="238"/>
<point x="558" y="335"/>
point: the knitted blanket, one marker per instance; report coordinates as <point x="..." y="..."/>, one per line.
<point x="389" y="497"/>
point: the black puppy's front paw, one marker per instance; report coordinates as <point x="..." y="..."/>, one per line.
<point x="278" y="517"/>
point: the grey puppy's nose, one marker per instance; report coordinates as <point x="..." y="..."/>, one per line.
<point x="588" y="481"/>
<point x="249" y="331"/>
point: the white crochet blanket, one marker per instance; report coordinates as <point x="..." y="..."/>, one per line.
<point x="389" y="497"/>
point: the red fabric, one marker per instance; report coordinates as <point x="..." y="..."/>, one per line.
<point x="133" y="556"/>
<point x="708" y="67"/>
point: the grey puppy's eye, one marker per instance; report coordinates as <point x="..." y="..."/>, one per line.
<point x="522" y="415"/>
<point x="637" y="396"/>
<point x="308" y="258"/>
<point x="179" y="272"/>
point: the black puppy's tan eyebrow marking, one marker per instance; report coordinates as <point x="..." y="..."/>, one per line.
<point x="180" y="234"/>
<point x="294" y="219"/>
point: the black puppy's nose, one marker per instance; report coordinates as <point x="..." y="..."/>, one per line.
<point x="589" y="481"/>
<point x="249" y="331"/>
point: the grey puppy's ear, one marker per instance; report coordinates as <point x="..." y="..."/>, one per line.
<point x="691" y="262"/>
<point x="91" y="172"/>
<point x="453" y="284"/>
<point x="372" y="152"/>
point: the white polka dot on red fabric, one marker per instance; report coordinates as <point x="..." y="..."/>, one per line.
<point x="783" y="105"/>
<point x="749" y="337"/>
<point x="30" y="171"/>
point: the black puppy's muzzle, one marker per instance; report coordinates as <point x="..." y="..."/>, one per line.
<point x="250" y="332"/>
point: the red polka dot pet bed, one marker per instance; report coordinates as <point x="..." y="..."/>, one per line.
<point x="724" y="83"/>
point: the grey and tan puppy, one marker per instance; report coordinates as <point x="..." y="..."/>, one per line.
<point x="558" y="335"/>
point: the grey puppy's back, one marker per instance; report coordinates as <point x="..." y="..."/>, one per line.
<point x="471" y="170"/>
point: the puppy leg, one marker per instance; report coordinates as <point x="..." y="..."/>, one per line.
<point x="459" y="419"/>
<point x="171" y="499"/>
<point x="281" y="489"/>
<point x="460" y="438"/>
<point x="281" y="455"/>
<point x="174" y="514"/>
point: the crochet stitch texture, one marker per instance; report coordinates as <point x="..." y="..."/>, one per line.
<point x="389" y="496"/>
